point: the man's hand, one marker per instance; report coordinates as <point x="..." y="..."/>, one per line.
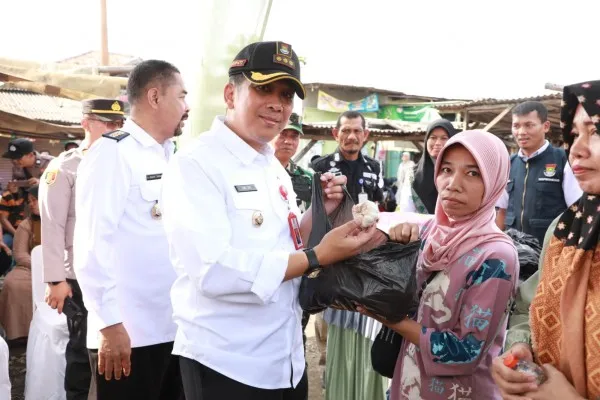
<point x="333" y="190"/>
<point x="513" y="384"/>
<point x="556" y="387"/>
<point x="33" y="181"/>
<point x="114" y="352"/>
<point x="56" y="295"/>
<point x="344" y="242"/>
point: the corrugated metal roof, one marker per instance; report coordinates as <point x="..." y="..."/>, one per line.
<point x="40" y="107"/>
<point x="388" y="92"/>
<point x="486" y="102"/>
<point x="382" y="126"/>
<point x="94" y="58"/>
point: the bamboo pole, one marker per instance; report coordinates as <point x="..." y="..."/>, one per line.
<point x="103" y="35"/>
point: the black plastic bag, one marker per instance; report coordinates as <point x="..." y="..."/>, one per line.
<point x="383" y="280"/>
<point x="528" y="249"/>
<point x="387" y="344"/>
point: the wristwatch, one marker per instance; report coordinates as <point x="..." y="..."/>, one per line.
<point x="313" y="263"/>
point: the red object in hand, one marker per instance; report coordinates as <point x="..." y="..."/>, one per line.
<point x="525" y="367"/>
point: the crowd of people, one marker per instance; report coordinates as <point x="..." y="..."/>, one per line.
<point x="179" y="272"/>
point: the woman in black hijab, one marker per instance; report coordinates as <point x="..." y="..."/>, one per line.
<point x="424" y="193"/>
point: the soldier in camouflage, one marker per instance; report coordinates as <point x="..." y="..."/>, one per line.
<point x="286" y="145"/>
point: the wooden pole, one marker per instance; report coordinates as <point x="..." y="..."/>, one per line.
<point x="305" y="150"/>
<point x="104" y="59"/>
<point x="498" y="118"/>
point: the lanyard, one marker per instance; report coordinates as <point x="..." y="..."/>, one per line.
<point x="292" y="220"/>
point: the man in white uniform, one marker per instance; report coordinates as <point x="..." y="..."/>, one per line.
<point x="121" y="252"/>
<point x="231" y="218"/>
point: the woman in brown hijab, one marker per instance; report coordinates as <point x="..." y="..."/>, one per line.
<point x="16" y="308"/>
<point x="565" y="312"/>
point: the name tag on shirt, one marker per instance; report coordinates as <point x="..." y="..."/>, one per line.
<point x="362" y="197"/>
<point x="549" y="180"/>
<point x="245" y="188"/>
<point x="369" y="175"/>
<point x="153" y="177"/>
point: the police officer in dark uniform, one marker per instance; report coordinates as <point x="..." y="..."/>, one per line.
<point x="286" y="145"/>
<point x="365" y="180"/>
<point x="28" y="164"/>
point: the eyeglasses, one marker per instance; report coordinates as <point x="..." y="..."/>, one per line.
<point x="109" y="124"/>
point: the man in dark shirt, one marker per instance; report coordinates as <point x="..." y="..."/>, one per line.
<point x="541" y="184"/>
<point x="365" y="180"/>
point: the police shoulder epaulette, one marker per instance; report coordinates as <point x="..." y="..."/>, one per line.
<point x="116" y="135"/>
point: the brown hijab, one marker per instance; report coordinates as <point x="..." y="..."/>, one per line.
<point x="565" y="313"/>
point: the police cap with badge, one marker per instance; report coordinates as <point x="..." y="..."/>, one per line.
<point x="105" y="110"/>
<point x="266" y="62"/>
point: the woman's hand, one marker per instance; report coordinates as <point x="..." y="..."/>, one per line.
<point x="556" y="387"/>
<point x="513" y="384"/>
<point x="404" y="233"/>
<point x="407" y="328"/>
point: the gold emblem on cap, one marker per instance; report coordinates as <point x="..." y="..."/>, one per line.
<point x="155" y="212"/>
<point x="116" y="106"/>
<point x="284" y="48"/>
<point x="257" y="218"/>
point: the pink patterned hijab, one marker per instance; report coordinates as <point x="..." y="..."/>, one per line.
<point x="448" y="240"/>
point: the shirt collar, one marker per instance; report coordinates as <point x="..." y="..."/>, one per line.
<point x="143" y="137"/>
<point x="537" y="153"/>
<point x="242" y="150"/>
<point x="361" y="156"/>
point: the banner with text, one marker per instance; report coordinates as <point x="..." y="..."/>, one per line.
<point x="326" y="102"/>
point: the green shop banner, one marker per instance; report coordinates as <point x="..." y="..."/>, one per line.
<point x="408" y="113"/>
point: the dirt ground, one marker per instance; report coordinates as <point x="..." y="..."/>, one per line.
<point x="315" y="372"/>
<point x="315" y="392"/>
<point x="16" y="370"/>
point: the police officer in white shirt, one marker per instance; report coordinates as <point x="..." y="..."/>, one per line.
<point x="121" y="251"/>
<point x="237" y="244"/>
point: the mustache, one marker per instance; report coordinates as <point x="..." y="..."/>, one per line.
<point x="185" y="116"/>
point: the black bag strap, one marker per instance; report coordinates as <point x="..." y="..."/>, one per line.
<point x="427" y="282"/>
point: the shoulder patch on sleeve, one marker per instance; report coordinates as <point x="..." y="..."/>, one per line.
<point x="50" y="176"/>
<point x="116" y="135"/>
